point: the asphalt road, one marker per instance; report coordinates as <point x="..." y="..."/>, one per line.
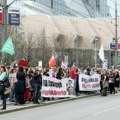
<point x="91" y="108"/>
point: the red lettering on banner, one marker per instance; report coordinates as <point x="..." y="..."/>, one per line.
<point x="51" y="92"/>
<point x="95" y="85"/>
<point x="86" y="85"/>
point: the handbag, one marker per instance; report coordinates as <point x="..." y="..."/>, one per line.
<point x="7" y="91"/>
<point x="6" y="85"/>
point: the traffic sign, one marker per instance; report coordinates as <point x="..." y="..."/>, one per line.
<point x="112" y="44"/>
<point x="13" y="17"/>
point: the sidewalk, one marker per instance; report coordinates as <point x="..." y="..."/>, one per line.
<point x="12" y="108"/>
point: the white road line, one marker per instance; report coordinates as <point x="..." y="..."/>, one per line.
<point x="106" y="110"/>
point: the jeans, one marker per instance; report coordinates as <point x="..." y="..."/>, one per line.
<point x="3" y="97"/>
<point x="36" y="92"/>
<point x="11" y="97"/>
<point x="75" y="84"/>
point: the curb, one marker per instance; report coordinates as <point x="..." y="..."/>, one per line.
<point x="45" y="104"/>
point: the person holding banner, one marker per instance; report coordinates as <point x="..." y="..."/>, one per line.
<point x="73" y="74"/>
<point x="105" y="83"/>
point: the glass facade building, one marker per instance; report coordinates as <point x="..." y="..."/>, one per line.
<point x="84" y="8"/>
<point x="97" y="7"/>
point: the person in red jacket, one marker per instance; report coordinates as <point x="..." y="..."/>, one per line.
<point x="73" y="74"/>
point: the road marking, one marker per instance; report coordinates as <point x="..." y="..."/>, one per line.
<point x="106" y="110"/>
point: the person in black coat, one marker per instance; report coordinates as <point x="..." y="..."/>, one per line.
<point x="117" y="81"/>
<point x="20" y="86"/>
<point x="60" y="74"/>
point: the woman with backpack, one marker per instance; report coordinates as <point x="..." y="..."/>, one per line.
<point x="3" y="75"/>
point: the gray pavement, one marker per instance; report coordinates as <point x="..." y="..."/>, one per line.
<point x="12" y="108"/>
<point x="90" y="108"/>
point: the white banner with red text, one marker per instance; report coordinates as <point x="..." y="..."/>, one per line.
<point x="89" y="83"/>
<point x="52" y="87"/>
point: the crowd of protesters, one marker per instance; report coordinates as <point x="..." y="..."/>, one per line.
<point x="26" y="83"/>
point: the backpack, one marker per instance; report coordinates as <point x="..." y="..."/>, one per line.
<point x="6" y="82"/>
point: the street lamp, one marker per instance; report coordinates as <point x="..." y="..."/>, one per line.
<point x="96" y="38"/>
<point x="116" y="35"/>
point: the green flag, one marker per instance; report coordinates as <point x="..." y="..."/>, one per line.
<point x="8" y="47"/>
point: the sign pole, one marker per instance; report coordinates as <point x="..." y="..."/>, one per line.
<point x="15" y="43"/>
<point x="4" y="28"/>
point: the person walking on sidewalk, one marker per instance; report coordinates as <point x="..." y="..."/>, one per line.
<point x="2" y="88"/>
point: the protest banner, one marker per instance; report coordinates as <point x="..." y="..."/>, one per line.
<point x="52" y="87"/>
<point x="89" y="83"/>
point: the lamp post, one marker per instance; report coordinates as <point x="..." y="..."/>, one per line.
<point x="95" y="49"/>
<point x="116" y="35"/>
